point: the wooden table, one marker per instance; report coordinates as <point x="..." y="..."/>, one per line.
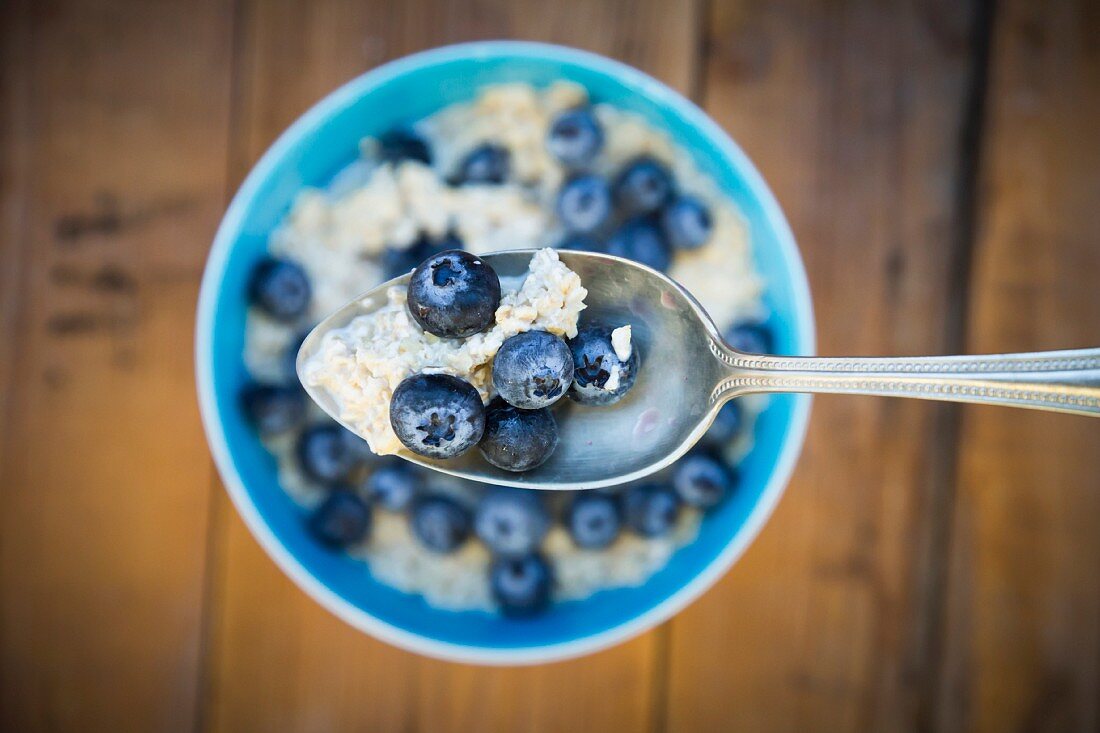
<point x="930" y="568"/>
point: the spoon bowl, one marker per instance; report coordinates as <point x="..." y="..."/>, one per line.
<point x="686" y="373"/>
<point x="659" y="419"/>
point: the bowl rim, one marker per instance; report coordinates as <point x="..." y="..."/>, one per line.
<point x="214" y="269"/>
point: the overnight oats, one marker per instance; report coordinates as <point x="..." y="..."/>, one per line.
<point x="458" y="361"/>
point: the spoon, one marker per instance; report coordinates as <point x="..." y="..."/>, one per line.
<point x="686" y="373"/>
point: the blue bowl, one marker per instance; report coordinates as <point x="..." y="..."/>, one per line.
<point x="309" y="153"/>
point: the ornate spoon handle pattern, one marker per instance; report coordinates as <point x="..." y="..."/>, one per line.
<point x="1061" y="381"/>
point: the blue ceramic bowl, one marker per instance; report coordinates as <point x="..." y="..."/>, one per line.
<point x="318" y="145"/>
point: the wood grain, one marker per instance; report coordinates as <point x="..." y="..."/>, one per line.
<point x="119" y="127"/>
<point x="905" y="582"/>
<point x="854" y="113"/>
<point x="277" y="660"/>
<point x="14" y="174"/>
<point x="1024" y="614"/>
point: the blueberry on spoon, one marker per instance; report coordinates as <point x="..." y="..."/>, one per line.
<point x="437" y="415"/>
<point x="515" y="439"/>
<point x="454" y="294"/>
<point x="533" y="369"/>
<point x="603" y="370"/>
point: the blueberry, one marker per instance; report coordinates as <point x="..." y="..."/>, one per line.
<point x="440" y="523"/>
<point x="395" y="484"/>
<point x="600" y="377"/>
<point x="450" y="241"/>
<point x="702" y="480"/>
<point x="486" y="163"/>
<point x="579" y="243"/>
<point x="584" y="203"/>
<point x="454" y="294"/>
<point x="651" y="510"/>
<point x="641" y="240"/>
<point x="280" y="289"/>
<point x="593" y="519"/>
<point x="686" y="223"/>
<point x="326" y="453"/>
<point x="752" y="338"/>
<point x="521" y="585"/>
<point x="727" y="424"/>
<point x="515" y="439"/>
<point x="575" y="136"/>
<point x="342" y="519"/>
<point x="533" y="369"/>
<point x="511" y="521"/>
<point x="273" y="408"/>
<point x="399" y="145"/>
<point x="643" y="186"/>
<point x="437" y="415"/>
<point x="397" y="262"/>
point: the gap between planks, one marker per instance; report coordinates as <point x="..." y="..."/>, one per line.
<point x="216" y="524"/>
<point x="944" y="474"/>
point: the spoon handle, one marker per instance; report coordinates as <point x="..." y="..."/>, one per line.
<point x="1059" y="381"/>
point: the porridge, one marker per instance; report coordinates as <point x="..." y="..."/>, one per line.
<point x="363" y="378"/>
<point x="515" y="168"/>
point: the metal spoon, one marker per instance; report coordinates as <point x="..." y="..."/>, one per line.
<point x="687" y="373"/>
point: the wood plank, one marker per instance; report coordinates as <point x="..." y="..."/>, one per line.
<point x="853" y="111"/>
<point x="105" y="473"/>
<point x="1024" y="613"/>
<point x="280" y="661"/>
<point x="14" y="144"/>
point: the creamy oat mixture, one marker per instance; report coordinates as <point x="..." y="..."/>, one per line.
<point x="338" y="234"/>
<point x="361" y="364"/>
<point x="457" y="581"/>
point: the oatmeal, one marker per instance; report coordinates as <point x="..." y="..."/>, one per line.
<point x="389" y="210"/>
<point x="458" y="581"/>
<point x="362" y="364"/>
<point x="337" y="238"/>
